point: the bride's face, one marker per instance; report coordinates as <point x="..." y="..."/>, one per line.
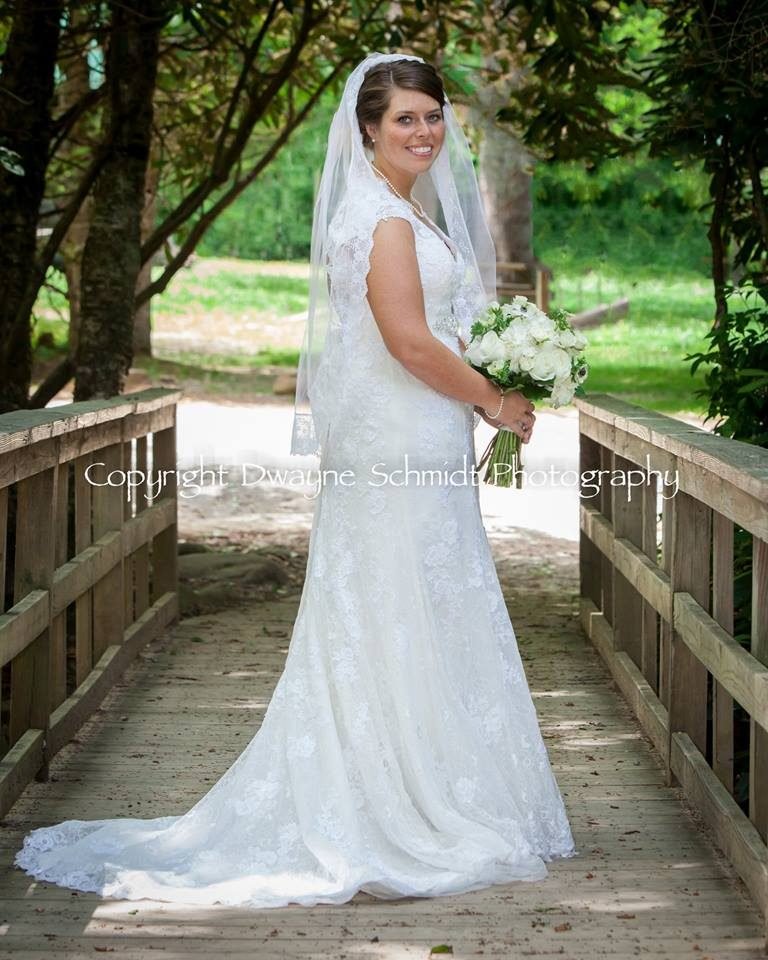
<point x="410" y="134"/>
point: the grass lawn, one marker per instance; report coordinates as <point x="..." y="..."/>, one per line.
<point x="229" y="325"/>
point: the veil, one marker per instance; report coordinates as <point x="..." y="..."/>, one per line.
<point x="449" y="194"/>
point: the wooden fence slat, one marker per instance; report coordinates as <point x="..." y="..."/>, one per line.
<point x="758" y="738"/>
<point x="691" y="546"/>
<point x="164" y="548"/>
<point x="108" y="626"/>
<point x="627" y="524"/>
<point x="722" y="612"/>
<point x="58" y="680"/>
<point x="84" y="659"/>
<point x="589" y="555"/>
<point x="30" y="695"/>
<point x="649" y="619"/>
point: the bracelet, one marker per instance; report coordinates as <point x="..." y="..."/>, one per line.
<point x="495" y="416"/>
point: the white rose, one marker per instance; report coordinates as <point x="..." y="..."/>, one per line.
<point x="541" y="327"/>
<point x="550" y="362"/>
<point x="579" y="340"/>
<point x="485" y="349"/>
<point x="566" y="338"/>
<point x="516" y="334"/>
<point x="562" y="393"/>
<point x="525" y="358"/>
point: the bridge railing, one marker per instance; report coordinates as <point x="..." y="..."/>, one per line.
<point x="88" y="574"/>
<point x="657" y="601"/>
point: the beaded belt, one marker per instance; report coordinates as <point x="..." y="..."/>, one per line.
<point x="445" y="324"/>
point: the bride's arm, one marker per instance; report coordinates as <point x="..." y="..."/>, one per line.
<point x="397" y="303"/>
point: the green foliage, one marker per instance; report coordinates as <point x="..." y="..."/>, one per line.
<point x="737" y="378"/>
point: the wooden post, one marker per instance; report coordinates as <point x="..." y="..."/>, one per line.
<point x="129" y="499"/>
<point x="4" y="671"/>
<point x="758" y="738"/>
<point x="690" y="573"/>
<point x="30" y="670"/>
<point x="722" y="611"/>
<point x="58" y="681"/>
<point x="627" y="607"/>
<point x="606" y="565"/>
<point x="665" y="627"/>
<point x="649" y="620"/>
<point x="589" y="555"/>
<point x="108" y="607"/>
<point x="164" y="550"/>
<point x="141" y="556"/>
<point x="84" y="603"/>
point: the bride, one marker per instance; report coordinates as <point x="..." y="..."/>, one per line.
<point x="400" y="753"/>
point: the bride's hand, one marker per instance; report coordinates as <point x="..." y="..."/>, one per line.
<point x="517" y="414"/>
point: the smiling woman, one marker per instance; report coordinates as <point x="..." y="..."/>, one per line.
<point x="400" y="112"/>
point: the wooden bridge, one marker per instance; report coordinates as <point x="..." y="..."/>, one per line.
<point x="652" y="701"/>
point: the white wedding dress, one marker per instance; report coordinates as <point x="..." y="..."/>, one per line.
<point x="400" y="753"/>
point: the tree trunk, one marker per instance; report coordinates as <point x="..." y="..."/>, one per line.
<point x="142" y="321"/>
<point x="504" y="176"/>
<point x="26" y="88"/>
<point x="111" y="259"/>
<point x="73" y="89"/>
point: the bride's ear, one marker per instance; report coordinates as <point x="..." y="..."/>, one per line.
<point x="370" y="133"/>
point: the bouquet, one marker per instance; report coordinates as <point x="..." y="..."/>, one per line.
<point x="519" y="347"/>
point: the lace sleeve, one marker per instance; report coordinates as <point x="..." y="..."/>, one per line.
<point x="350" y="252"/>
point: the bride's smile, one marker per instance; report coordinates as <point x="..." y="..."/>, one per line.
<point x="408" y="138"/>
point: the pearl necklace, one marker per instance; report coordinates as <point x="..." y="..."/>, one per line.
<point x="413" y="203"/>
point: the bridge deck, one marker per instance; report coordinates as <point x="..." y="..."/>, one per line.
<point x="647" y="880"/>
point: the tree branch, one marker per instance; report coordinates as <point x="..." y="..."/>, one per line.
<point x="217" y="177"/>
<point x="197" y="231"/>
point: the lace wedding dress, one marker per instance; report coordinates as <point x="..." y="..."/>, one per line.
<point x="400" y="753"/>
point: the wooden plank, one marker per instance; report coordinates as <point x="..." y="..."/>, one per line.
<point x="83" y="652"/>
<point x="665" y="624"/>
<point x="5" y="671"/>
<point x="33" y="569"/>
<point x="140" y="554"/>
<point x="736" y="836"/>
<point x="707" y="486"/>
<point x="691" y="565"/>
<point x="758" y="735"/>
<point x="22" y="624"/>
<point x="129" y="508"/>
<point x="57" y="683"/>
<point x="722" y="613"/>
<point x="19" y="765"/>
<point x="67" y="718"/>
<point x="627" y="516"/>
<point x="589" y="558"/>
<point x="107" y="518"/>
<point x="22" y="428"/>
<point x="649" y="619"/>
<point x="633" y="685"/>
<point x="165" y="575"/>
<point x="743" y="466"/>
<point x="741" y="674"/>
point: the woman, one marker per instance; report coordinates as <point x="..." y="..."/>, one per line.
<point x="400" y="753"/>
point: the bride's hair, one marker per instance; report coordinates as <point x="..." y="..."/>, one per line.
<point x="376" y="90"/>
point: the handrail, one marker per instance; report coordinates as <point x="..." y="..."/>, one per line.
<point x="87" y="574"/>
<point x="657" y="601"/>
